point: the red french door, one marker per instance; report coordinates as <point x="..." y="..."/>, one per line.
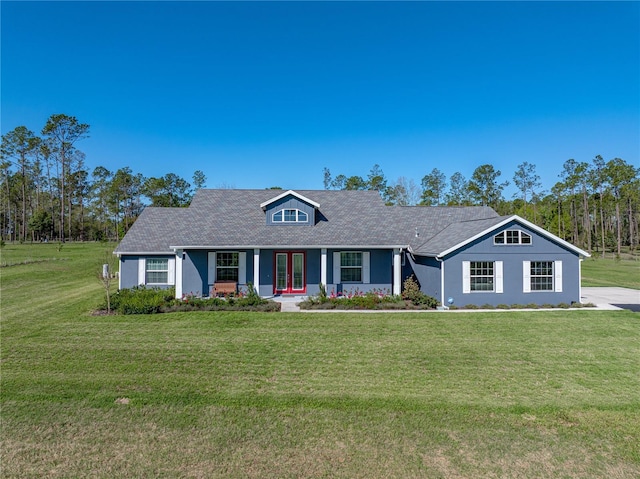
<point x="290" y="272"/>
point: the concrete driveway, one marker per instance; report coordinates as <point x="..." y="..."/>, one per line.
<point x="613" y="298"/>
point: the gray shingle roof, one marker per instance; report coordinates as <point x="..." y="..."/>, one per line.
<point x="155" y="230"/>
<point x="455" y="233"/>
<point x="233" y="218"/>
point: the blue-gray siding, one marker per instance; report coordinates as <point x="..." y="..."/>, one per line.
<point x="290" y="202"/>
<point x="428" y="273"/>
<point x="512" y="257"/>
<point x="195" y="271"/>
<point x="129" y="270"/>
<point x="380" y="270"/>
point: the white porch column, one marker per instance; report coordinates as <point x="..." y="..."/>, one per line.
<point x="256" y="270"/>
<point x="397" y="272"/>
<point x="120" y="272"/>
<point x="323" y="266"/>
<point x="178" y="279"/>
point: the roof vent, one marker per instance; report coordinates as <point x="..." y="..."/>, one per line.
<point x="417" y="233"/>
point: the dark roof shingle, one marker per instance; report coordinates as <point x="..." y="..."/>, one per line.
<point x="233" y="218"/>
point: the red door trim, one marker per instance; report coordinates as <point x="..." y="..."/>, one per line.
<point x="289" y="289"/>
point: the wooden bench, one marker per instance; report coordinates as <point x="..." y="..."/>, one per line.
<point x="224" y="287"/>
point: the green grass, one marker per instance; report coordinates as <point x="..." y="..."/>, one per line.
<point x="610" y="272"/>
<point x="512" y="394"/>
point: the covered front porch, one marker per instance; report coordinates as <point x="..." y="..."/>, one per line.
<point x="283" y="272"/>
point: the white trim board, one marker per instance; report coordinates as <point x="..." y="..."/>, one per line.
<point x="281" y="247"/>
<point x="264" y="204"/>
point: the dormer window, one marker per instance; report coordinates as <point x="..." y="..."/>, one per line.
<point x="290" y="216"/>
<point x="512" y="237"/>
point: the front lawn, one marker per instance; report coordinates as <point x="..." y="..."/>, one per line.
<point x="598" y="271"/>
<point x="237" y="394"/>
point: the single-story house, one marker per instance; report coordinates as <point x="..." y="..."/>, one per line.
<point x="290" y="242"/>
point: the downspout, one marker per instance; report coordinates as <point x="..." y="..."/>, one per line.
<point x="580" y="280"/>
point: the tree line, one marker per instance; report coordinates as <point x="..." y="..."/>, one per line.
<point x="47" y="193"/>
<point x="594" y="205"/>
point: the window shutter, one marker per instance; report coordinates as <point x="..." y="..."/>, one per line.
<point x="142" y="270"/>
<point x="526" y="276"/>
<point x="242" y="267"/>
<point x="466" y="277"/>
<point x="366" y="269"/>
<point x="211" y="273"/>
<point x="336" y="267"/>
<point x="171" y="271"/>
<point x="499" y="277"/>
<point x="557" y="273"/>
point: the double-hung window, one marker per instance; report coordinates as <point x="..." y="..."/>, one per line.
<point x="351" y="267"/>
<point x="157" y="271"/>
<point x="482" y="277"/>
<point x="542" y="276"/>
<point x="227" y="264"/>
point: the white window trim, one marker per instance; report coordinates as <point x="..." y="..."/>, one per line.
<point x="557" y="278"/>
<point x="498" y="277"/>
<point x="142" y="272"/>
<point x="503" y="233"/>
<point x="297" y="220"/>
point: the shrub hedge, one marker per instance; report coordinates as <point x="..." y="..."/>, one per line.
<point x="143" y="300"/>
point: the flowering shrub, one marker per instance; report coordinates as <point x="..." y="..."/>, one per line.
<point x="353" y="299"/>
<point x="380" y="298"/>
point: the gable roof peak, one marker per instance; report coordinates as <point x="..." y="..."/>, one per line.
<point x="264" y="204"/>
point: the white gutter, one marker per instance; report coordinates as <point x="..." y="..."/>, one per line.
<point x="290" y="247"/>
<point x="143" y="253"/>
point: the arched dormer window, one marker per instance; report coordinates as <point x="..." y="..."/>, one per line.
<point x="512" y="237"/>
<point x="290" y="215"/>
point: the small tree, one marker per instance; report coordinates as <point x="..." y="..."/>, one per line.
<point x="107" y="277"/>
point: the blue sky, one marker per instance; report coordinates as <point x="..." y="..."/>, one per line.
<point x="263" y="94"/>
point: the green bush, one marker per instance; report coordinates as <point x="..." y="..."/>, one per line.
<point x="142" y="300"/>
<point x="411" y="292"/>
